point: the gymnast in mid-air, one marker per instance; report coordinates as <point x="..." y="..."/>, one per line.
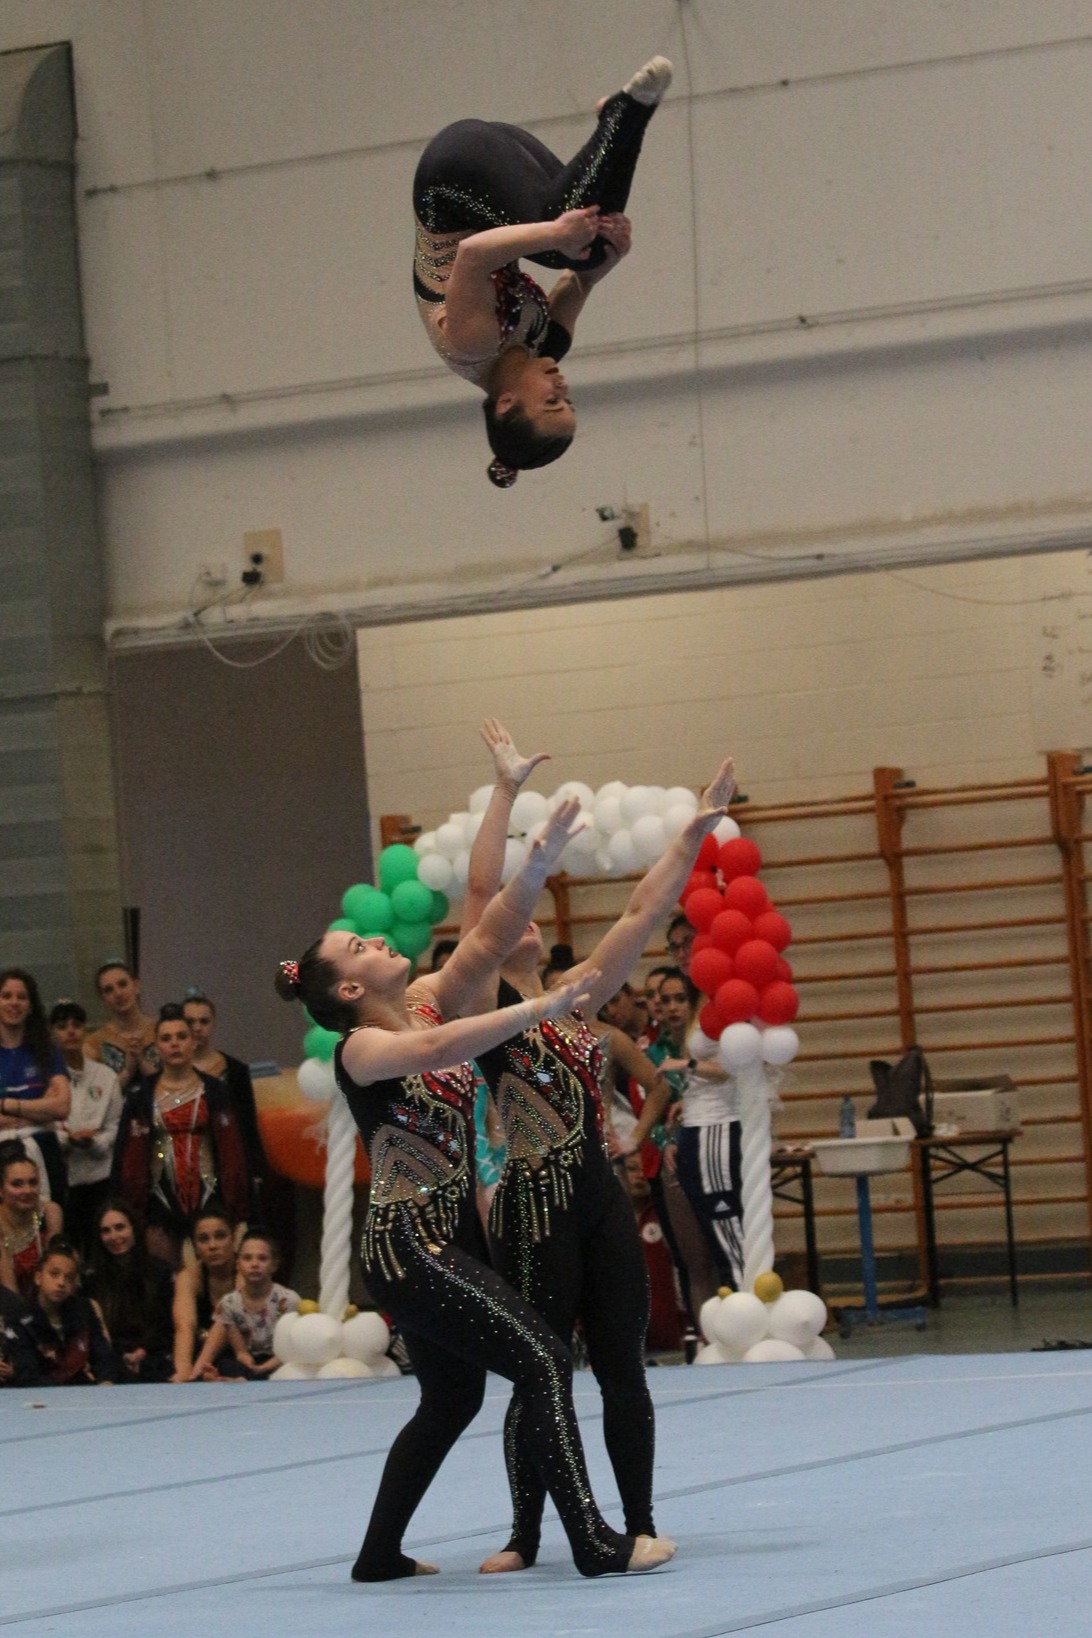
<point x="486" y="194"/>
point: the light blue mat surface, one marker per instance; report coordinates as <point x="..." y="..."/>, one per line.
<point x="932" y="1495"/>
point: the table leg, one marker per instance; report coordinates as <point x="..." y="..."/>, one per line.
<point x="928" y="1213"/>
<point x="1009" y="1228"/>
<point x="810" y="1239"/>
<point x="868" y="1250"/>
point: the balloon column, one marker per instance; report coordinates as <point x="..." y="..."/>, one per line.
<point x="738" y="963"/>
<point x="763" y="1326"/>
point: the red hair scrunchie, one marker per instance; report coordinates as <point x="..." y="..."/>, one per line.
<point x="291" y="971"/>
<point x="501" y="474"/>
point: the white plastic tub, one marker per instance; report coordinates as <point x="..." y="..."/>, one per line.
<point x="879" y="1146"/>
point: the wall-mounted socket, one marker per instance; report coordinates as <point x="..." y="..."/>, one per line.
<point x="263" y="549"/>
<point x="212" y="575"/>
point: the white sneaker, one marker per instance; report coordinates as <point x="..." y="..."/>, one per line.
<point x="650" y="83"/>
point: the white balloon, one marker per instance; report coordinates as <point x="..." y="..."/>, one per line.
<point x="434" y="869"/>
<point x="365" y="1336"/>
<point x="527" y="810"/>
<point x="282" y="1335"/>
<point x="712" y="1354"/>
<point x="769" y="1351"/>
<point x="636" y="803"/>
<point x="622" y="852"/>
<point x="740" y="1045"/>
<point x="657" y="800"/>
<point x="699" y="1044"/>
<point x="315" y="1078"/>
<point x="587" y="840"/>
<point x="343" y="1366"/>
<point x="740" y="1321"/>
<point x="615" y="788"/>
<point x="460" y="867"/>
<point x="574" y="787"/>
<point x="514" y="854"/>
<point x="710" y="1308"/>
<point x="471" y="826"/>
<point x="648" y="838"/>
<point x="316" y="1339"/>
<point x="727" y="830"/>
<point x="449" y="839"/>
<point x="385" y="1367"/>
<point x="291" y="1372"/>
<point x="425" y="843"/>
<point x="608" y="815"/>
<point x="797" y="1317"/>
<point x="681" y="796"/>
<point x="605" y="863"/>
<point x="780" y="1044"/>
<point x="819" y="1349"/>
<point x="480" y="799"/>
<point x="675" y="820"/>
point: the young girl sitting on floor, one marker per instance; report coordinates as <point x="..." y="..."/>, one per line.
<point x="246" y="1317"/>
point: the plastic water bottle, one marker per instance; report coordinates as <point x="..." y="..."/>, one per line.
<point x="847" y="1119"/>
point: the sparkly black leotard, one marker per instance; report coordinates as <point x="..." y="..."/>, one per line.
<point x="423" y="1257"/>
<point x="479" y="174"/>
<point x="563" y="1232"/>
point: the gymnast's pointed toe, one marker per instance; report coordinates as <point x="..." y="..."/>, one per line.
<point x="649" y="84"/>
<point x="649" y="1552"/>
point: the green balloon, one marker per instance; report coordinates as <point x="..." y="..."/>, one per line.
<point x="411" y="938"/>
<point x="320" y="1043"/>
<point x="441" y="909"/>
<point x="367" y="908"/>
<point x="342" y="925"/>
<point x="411" y="901"/>
<point x="397" y="863"/>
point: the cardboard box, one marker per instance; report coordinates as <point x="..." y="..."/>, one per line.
<point x="990" y="1104"/>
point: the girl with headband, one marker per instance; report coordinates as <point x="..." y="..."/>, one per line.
<point x="486" y="194"/>
<point x="403" y="1067"/>
<point x="561" y="1227"/>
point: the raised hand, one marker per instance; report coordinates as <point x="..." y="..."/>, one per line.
<point x="715" y="799"/>
<point x="559" y="829"/>
<point x="510" y="767"/>
<point x="564" y="998"/>
<point x="575" y="231"/>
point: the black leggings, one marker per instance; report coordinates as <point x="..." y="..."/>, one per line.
<point x="459" y="1320"/>
<point x="590" y="1267"/>
<point x="480" y="174"/>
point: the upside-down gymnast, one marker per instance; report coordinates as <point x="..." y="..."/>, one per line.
<point x="561" y="1228"/>
<point x="484" y="195"/>
<point x="404" y="1074"/>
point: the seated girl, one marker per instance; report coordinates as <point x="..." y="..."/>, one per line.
<point x="198" y="1289"/>
<point x="134" y="1291"/>
<point x="62" y="1340"/>
<point x="247" y="1317"/>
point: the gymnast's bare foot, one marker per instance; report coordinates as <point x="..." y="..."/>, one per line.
<point x="650" y="83"/>
<point x="426" y="1569"/>
<point x="649" y="1552"/>
<point x="502" y="1563"/>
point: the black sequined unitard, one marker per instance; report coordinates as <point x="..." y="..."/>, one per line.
<point x="423" y="1257"/>
<point x="562" y="1230"/>
<point x="479" y="174"/>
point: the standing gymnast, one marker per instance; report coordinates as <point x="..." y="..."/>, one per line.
<point x="561" y="1228"/>
<point x="404" y="1074"/>
<point x="486" y="194"/>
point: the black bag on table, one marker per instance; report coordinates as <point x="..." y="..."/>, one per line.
<point x="899" y="1089"/>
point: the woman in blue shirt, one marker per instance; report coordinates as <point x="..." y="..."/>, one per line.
<point x="34" y="1087"/>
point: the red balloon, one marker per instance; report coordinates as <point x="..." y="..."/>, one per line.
<point x="701" y="906"/>
<point x="730" y="929"/>
<point x="739" y="857"/>
<point x="778" y="1003"/>
<point x="746" y="893"/>
<point x="784" y="971"/>
<point x="756" y="961"/>
<point x="710" y="1021"/>
<point x="702" y="941"/>
<point x="736" y="1001"/>
<point x="696" y="879"/>
<point x="773" y="927"/>
<point x="707" y="854"/>
<point x="709" y="969"/>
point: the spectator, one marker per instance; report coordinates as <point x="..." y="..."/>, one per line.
<point x="26" y="1223"/>
<point x="88" y="1136"/>
<point x="653" y="979"/>
<point x="179" y="1144"/>
<point x="621" y="1011"/>
<point x="680" y="943"/>
<point x="135" y="1294"/>
<point x="667" y="1317"/>
<point x="34" y="1088"/>
<point x="16" y="1370"/>
<point x="126" y="1042"/>
<point x="199" y="1289"/>
<point x="246" y="1317"/>
<point x="63" y="1340"/>
<point x="442" y="951"/>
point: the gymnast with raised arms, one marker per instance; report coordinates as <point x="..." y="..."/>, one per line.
<point x="403" y="1067"/>
<point x="486" y="194"/>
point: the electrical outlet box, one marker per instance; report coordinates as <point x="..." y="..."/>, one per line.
<point x="263" y="549"/>
<point x="213" y="574"/>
